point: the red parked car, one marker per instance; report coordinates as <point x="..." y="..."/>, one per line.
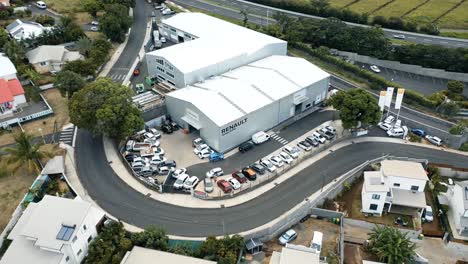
<point x="238" y="175"/>
<point x="225" y="186"/>
<point x="136" y="72"/>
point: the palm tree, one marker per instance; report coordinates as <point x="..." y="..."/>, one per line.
<point x="33" y="75"/>
<point x="26" y="152"/>
<point x="14" y="51"/>
<point x="390" y="245"/>
<point x="84" y="44"/>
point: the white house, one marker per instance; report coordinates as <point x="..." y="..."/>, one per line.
<point x="20" y="30"/>
<point x="7" y="69"/>
<point x="11" y="96"/>
<point x="51" y="58"/>
<point x="140" y="255"/>
<point x="398" y="187"/>
<point x="53" y="231"/>
<point x="295" y="254"/>
<point x="457" y="196"/>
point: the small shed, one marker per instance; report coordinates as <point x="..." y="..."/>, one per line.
<point x="253" y="246"/>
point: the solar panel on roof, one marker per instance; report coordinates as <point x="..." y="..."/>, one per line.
<point x="65" y="232"/>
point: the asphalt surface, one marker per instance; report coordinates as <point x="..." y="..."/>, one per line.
<point x="258" y="14"/>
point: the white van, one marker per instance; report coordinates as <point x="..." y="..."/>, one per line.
<point x="41" y="4"/>
<point x="260" y="137"/>
<point x="317" y="242"/>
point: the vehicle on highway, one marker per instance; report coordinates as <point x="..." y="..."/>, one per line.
<point x="191" y="182"/>
<point x="208" y="185"/>
<point x="292" y="151"/>
<point x="389" y="119"/>
<point x="434" y="140"/>
<point x="385" y="126"/>
<point x="330" y="129"/>
<point x="156" y="160"/>
<point x="179" y="183"/>
<point x="286" y="157"/>
<point x="168" y="163"/>
<point x="277" y="161"/>
<point x="258" y="168"/>
<point x="304" y="145"/>
<point x="197" y="142"/>
<point x="399" y="36"/>
<point x="94" y="28"/>
<point x="225" y="186"/>
<point x="204" y="153"/>
<point x="246" y="146"/>
<point x="239" y="176"/>
<point x="199" y="148"/>
<point x="316" y="243"/>
<point x="215" y="172"/>
<point x="418" y="132"/>
<point x="235" y="184"/>
<point x="427" y="214"/>
<point x="324" y="133"/>
<point x="319" y="138"/>
<point x="167" y="129"/>
<point x="177" y="172"/>
<point x="287" y="237"/>
<point x="95" y="23"/>
<point x="249" y="173"/>
<point x="41" y="5"/>
<point x="374" y="68"/>
<point x="395" y="132"/>
<point x="216" y="156"/>
<point x="260" y="137"/>
<point x="268" y="165"/>
<point x="312" y="141"/>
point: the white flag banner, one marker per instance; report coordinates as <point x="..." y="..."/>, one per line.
<point x="382" y="98"/>
<point x="399" y="98"/>
<point x="388" y="99"/>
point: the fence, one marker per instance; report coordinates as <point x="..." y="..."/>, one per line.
<point x="18" y="120"/>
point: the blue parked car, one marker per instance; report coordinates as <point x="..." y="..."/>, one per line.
<point x="418" y="132"/>
<point x="215" y="156"/>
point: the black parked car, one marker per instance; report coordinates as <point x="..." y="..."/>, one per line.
<point x="167" y="129"/>
<point x="258" y="168"/>
<point x="246" y="146"/>
<point x="130" y="157"/>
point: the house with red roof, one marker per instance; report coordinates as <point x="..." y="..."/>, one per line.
<point x="11" y="96"/>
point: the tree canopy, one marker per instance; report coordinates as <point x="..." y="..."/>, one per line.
<point x="68" y="83"/>
<point x="115" y="22"/>
<point x="26" y="152"/>
<point x="105" y="107"/>
<point x="390" y="245"/>
<point x="455" y="86"/>
<point x="153" y="237"/>
<point x="356" y="106"/>
<point x="224" y="250"/>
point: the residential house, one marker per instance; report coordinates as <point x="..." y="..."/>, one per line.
<point x="4" y="3"/>
<point x="140" y="255"/>
<point x="53" y="231"/>
<point x="457" y="196"/>
<point x="50" y="58"/>
<point x="20" y="30"/>
<point x="295" y="254"/>
<point x="7" y="69"/>
<point x="11" y="96"/>
<point x="398" y="187"/>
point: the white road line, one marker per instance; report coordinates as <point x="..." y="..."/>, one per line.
<point x="445" y="42"/>
<point x="427" y="39"/>
<point x="411" y="37"/>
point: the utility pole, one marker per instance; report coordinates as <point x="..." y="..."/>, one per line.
<point x="268" y="17"/>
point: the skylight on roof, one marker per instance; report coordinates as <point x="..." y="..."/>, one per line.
<point x="65" y="232"/>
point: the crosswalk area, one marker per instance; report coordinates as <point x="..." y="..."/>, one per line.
<point x="276" y="137"/>
<point x="67" y="135"/>
<point x="117" y="76"/>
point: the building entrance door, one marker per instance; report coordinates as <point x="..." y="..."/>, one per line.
<point x="298" y="109"/>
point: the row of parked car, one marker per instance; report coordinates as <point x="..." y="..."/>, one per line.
<point x="395" y="129"/>
<point x="203" y="151"/>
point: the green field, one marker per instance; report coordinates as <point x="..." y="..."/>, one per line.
<point x="426" y="13"/>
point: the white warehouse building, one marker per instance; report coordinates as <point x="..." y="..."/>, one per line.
<point x="207" y="46"/>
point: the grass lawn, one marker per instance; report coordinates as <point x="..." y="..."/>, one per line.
<point x="458" y="18"/>
<point x="463" y="35"/>
<point x="13" y="186"/>
<point x="65" y="6"/>
<point x="430" y="11"/>
<point x="60" y="106"/>
<point x="339" y="3"/>
<point x="367" y="6"/>
<point x="398" y="8"/>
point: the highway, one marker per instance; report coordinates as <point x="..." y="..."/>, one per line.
<point x="258" y="15"/>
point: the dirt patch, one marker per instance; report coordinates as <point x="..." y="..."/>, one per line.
<point x="60" y="106"/>
<point x="355" y="254"/>
<point x="433" y="228"/>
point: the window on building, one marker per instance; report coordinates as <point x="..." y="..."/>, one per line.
<point x="396" y="185"/>
<point x="173" y="29"/>
<point x="160" y="77"/>
<point x="43" y="63"/>
<point x="160" y="69"/>
<point x="79" y="252"/>
<point x="170" y="74"/>
<point x="376" y="196"/>
<point x="160" y="61"/>
<point x="373" y="207"/>
<point x="308" y="105"/>
<point x="67" y="258"/>
<point x="85" y="227"/>
<point x="90" y="238"/>
<point x="75" y="238"/>
<point x="171" y="83"/>
<point x="389" y="194"/>
<point x="414" y="188"/>
<point x="169" y="67"/>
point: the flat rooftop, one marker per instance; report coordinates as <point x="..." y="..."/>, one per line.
<point x="140" y="255"/>
<point x="405" y="169"/>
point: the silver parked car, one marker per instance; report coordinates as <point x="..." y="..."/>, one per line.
<point x="208" y="185"/>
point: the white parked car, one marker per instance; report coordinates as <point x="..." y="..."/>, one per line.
<point x="260" y="137"/>
<point x="215" y="172"/>
<point x="331" y="129"/>
<point x="397" y="123"/>
<point x="285" y="157"/>
<point x="167" y="11"/>
<point x="434" y="140"/>
<point x="179" y="184"/>
<point x="164" y="170"/>
<point x="428" y="216"/>
<point x="318" y="137"/>
<point x="396" y="132"/>
<point x="389" y="119"/>
<point x="385" y="126"/>
<point x="199" y="148"/>
<point x="95" y="23"/>
<point x="155" y="132"/>
<point x="292" y="151"/>
<point x="235" y="184"/>
<point x="204" y="153"/>
<point x="191" y="182"/>
<point x="41" y="5"/>
<point x="316" y="243"/>
<point x="158" y="151"/>
<point x="268" y="165"/>
<point x="208" y="185"/>
<point x="163" y="39"/>
<point x="374" y="68"/>
<point x="277" y="161"/>
<point x="176" y="173"/>
<point x="94" y="28"/>
<point x="156" y="160"/>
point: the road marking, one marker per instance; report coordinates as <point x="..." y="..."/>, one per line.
<point x="427" y="39"/>
<point x="411" y="37"/>
<point x="445" y="42"/>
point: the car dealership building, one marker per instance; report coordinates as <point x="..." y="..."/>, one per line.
<point x="231" y="81"/>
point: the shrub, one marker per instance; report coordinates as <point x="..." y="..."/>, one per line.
<point x="464" y="147"/>
<point x="346" y="186"/>
<point x="45" y="20"/>
<point x="458" y="129"/>
<point x="32" y="93"/>
<point x="414" y="138"/>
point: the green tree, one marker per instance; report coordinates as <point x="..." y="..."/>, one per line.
<point x="32" y="75"/>
<point x="245" y="16"/>
<point x="99" y="51"/>
<point x="25" y="152"/>
<point x="92" y="6"/>
<point x="284" y="21"/>
<point x="68" y="83"/>
<point x="84" y="45"/>
<point x="390" y="245"/>
<point x="224" y="250"/>
<point x="356" y="107"/>
<point x="70" y="29"/>
<point x="15" y="51"/>
<point x="449" y="109"/>
<point x="105" y="107"/>
<point x="45" y="20"/>
<point x="82" y="67"/>
<point x="455" y="86"/>
<point x="109" y="246"/>
<point x="115" y="22"/>
<point x="153" y="237"/>
<point x="3" y="38"/>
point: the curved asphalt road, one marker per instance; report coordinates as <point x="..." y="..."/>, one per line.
<point x="120" y="200"/>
